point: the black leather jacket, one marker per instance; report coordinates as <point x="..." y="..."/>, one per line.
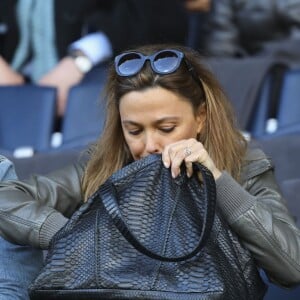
<point x="32" y="211"/>
<point x="243" y="27"/>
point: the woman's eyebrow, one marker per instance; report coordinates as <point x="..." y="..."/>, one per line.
<point x="167" y="119"/>
<point x="129" y="122"/>
<point x="158" y="121"/>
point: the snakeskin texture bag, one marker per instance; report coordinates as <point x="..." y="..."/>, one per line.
<point x="145" y="235"/>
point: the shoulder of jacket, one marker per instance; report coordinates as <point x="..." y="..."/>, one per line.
<point x="255" y="163"/>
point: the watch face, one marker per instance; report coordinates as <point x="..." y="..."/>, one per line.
<point x="83" y="63"/>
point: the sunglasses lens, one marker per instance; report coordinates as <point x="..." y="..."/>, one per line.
<point x="129" y="64"/>
<point x="166" y="62"/>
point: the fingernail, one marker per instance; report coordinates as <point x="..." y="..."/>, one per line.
<point x="173" y="174"/>
<point x="166" y="164"/>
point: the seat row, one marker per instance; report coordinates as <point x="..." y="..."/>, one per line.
<point x="28" y="115"/>
<point x="264" y="93"/>
<point x="265" y="103"/>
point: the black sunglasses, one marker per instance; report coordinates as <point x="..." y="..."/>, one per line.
<point x="162" y="62"/>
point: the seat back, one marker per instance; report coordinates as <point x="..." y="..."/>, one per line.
<point x="289" y="105"/>
<point x="27" y="116"/>
<point x="242" y="81"/>
<point x="84" y="115"/>
<point x="277" y="293"/>
<point x="260" y="114"/>
<point x="284" y="152"/>
<point x="45" y="162"/>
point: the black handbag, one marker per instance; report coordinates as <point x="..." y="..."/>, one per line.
<point x="145" y="235"/>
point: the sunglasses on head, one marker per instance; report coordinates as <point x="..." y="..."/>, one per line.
<point x="162" y="62"/>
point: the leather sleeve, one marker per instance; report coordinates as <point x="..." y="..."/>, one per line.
<point x="257" y="212"/>
<point x="32" y="211"/>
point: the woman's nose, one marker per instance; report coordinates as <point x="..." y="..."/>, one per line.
<point x="151" y="145"/>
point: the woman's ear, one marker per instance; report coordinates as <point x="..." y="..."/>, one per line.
<point x="201" y="117"/>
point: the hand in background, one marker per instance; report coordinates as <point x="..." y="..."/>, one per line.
<point x="63" y="77"/>
<point x="198" y="5"/>
<point x="8" y="76"/>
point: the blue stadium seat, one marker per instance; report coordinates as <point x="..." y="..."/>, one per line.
<point x="263" y="119"/>
<point x="27" y="116"/>
<point x="278" y="293"/>
<point x="287" y="116"/>
<point x="43" y="163"/>
<point x="259" y="117"/>
<point x="284" y="152"/>
<point x="289" y="105"/>
<point x="243" y="81"/>
<point x="84" y="116"/>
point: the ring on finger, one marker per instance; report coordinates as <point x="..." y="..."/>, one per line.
<point x="187" y="151"/>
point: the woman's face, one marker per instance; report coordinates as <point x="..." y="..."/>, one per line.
<point x="156" y="117"/>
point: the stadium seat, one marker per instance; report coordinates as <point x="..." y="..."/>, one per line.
<point x="289" y="105"/>
<point x="258" y="121"/>
<point x="246" y="83"/>
<point x="27" y="117"/>
<point x="284" y="152"/>
<point x="279" y="293"/>
<point x="46" y="162"/>
<point x="286" y="111"/>
<point x="84" y="116"/>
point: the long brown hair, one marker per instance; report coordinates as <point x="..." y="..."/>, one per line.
<point x="220" y="135"/>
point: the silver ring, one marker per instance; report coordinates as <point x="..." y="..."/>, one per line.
<point x="187" y="151"/>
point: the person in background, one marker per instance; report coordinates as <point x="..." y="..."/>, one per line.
<point x="252" y="27"/>
<point x="58" y="42"/>
<point x="162" y="100"/>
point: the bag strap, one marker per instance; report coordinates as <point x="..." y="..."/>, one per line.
<point x="110" y="203"/>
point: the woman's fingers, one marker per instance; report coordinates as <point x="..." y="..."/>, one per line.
<point x="170" y="152"/>
<point x="187" y="152"/>
<point x="175" y="154"/>
<point x="189" y="169"/>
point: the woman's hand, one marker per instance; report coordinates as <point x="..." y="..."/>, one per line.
<point x="63" y="76"/>
<point x="8" y="76"/>
<point x="198" y="5"/>
<point x="187" y="151"/>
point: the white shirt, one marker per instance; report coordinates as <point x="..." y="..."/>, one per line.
<point x="96" y="46"/>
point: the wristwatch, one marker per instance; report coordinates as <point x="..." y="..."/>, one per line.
<point x="81" y="61"/>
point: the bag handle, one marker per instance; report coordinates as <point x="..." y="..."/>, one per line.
<point x="110" y="203"/>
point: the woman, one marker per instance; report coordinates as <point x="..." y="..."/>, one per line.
<point x="160" y="99"/>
